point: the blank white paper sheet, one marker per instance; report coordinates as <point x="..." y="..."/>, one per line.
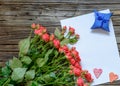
<point x="97" y="48"/>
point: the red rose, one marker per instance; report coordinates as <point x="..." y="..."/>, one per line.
<point x="75" y="53"/>
<point x="37" y="26"/>
<point x="85" y="84"/>
<point x="77" y="36"/>
<point x="71" y="30"/>
<point x="68" y="54"/>
<point x="80" y="82"/>
<point x="33" y="26"/>
<point x="77" y="65"/>
<point x="64" y="27"/>
<point x="56" y="43"/>
<point x="65" y="48"/>
<point x="61" y="50"/>
<point x="37" y="31"/>
<point x="77" y="58"/>
<point x="40" y="30"/>
<point x="72" y="61"/>
<point x="46" y="37"/>
<point x="69" y="58"/>
<point x="77" y="71"/>
<point x="52" y="37"/>
<point x="71" y="67"/>
<point x="88" y="77"/>
<point x="71" y="72"/>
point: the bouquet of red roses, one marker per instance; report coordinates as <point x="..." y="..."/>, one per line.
<point x="46" y="60"/>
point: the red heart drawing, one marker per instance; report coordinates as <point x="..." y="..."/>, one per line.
<point x="97" y="72"/>
<point x="113" y="76"/>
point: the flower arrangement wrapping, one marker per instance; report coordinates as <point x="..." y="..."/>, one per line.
<point x="46" y="60"/>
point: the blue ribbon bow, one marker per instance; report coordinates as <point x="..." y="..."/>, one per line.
<point x="101" y="21"/>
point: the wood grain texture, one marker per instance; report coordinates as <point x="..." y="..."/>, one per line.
<point x="16" y="17"/>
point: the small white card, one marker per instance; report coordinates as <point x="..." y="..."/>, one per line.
<point x="97" y="48"/>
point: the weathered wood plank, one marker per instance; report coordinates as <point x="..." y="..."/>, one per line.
<point x="52" y="12"/>
<point x="7" y="55"/>
<point x="60" y="1"/>
<point x="47" y="6"/>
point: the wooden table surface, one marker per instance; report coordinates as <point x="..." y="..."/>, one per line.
<point x="16" y="17"/>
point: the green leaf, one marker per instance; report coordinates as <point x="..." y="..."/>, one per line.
<point x="7" y="64"/>
<point x="52" y="75"/>
<point x="6" y="82"/>
<point x="41" y="61"/>
<point x="15" y="63"/>
<point x="24" y="46"/>
<point x="27" y="60"/>
<point x="2" y="80"/>
<point x="29" y="83"/>
<point x="10" y="85"/>
<point x="56" y="53"/>
<point x="72" y="41"/>
<point x="30" y="74"/>
<point x="34" y="83"/>
<point x="49" y="77"/>
<point x="48" y="53"/>
<point x="0" y="71"/>
<point x="6" y="71"/>
<point x="57" y="32"/>
<point x="18" y="74"/>
<point x="64" y="41"/>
